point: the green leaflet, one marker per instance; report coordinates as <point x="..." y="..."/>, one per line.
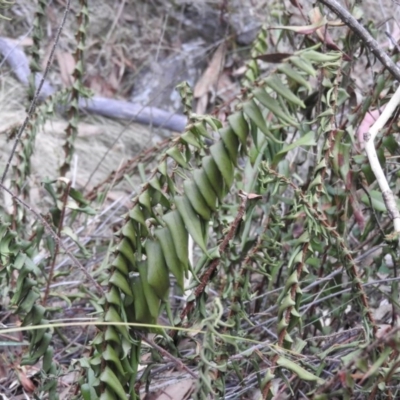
<point x="197" y="200"/>
<point x="276" y="84"/>
<point x="190" y="138"/>
<point x="41" y="349"/>
<point x="128" y="230"/>
<point x="157" y="272"/>
<point x="213" y="122"/>
<point x="224" y="164"/>
<point x="191" y="221"/>
<point x="37" y="336"/>
<point x="299" y="371"/>
<point x="119" y="280"/>
<point x="120" y="263"/>
<point x="110" y="355"/>
<point x="175" y="266"/>
<point x="375" y="367"/>
<point x="114" y="296"/>
<point x="205" y="187"/>
<point x="304" y="65"/>
<point x="73" y="236"/>
<point x="239" y="126"/>
<point x="162" y="168"/>
<point x="153" y="302"/>
<point x="201" y="130"/>
<point x="137" y="215"/>
<point x="35" y="316"/>
<point x="294" y="75"/>
<point x="28" y="302"/>
<point x="142" y="312"/>
<point x="88" y="392"/>
<point x="307" y="140"/>
<point x="175" y="153"/>
<point x="113" y="316"/>
<point x="316" y="56"/>
<point x="144" y="200"/>
<point x="109" y="378"/>
<point x="125" y="248"/>
<point x="231" y="143"/>
<point x="267" y="101"/>
<point x="252" y="110"/>
<point x="107" y="395"/>
<point x="286" y="303"/>
<point x="377" y="201"/>
<point x="179" y="235"/>
<point x="111" y="335"/>
<point x="157" y="194"/>
<point x="214" y="176"/>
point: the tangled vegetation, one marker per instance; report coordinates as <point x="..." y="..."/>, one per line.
<point x="257" y="260"/>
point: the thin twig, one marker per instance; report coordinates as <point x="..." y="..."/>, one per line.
<point x="363" y="34"/>
<point x="56" y="238"/>
<point x="32" y="106"/>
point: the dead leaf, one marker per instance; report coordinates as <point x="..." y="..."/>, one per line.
<point x="113" y="79"/>
<point x="226" y="89"/>
<point x="178" y="391"/>
<point x="302" y="29"/>
<point x="239" y="71"/>
<point x="66" y="62"/>
<point x="296" y="4"/>
<point x="275" y="58"/>
<point x="212" y="73"/>
<point x="26" y="382"/>
<point x="253" y="196"/>
<point x="101" y="86"/>
<point x="317" y="19"/>
<point x="383" y="330"/>
<point x="201" y="105"/>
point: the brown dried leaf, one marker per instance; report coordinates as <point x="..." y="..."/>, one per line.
<point x="239" y="71"/>
<point x="113" y="80"/>
<point x="253" y="196"/>
<point x="317" y="19"/>
<point x="178" y="391"/>
<point x="275" y="58"/>
<point x="212" y="73"/>
<point x="296" y="4"/>
<point x="201" y="105"/>
<point x="66" y="62"/>
<point x="303" y="30"/>
<point x="26" y="382"/>
<point x="101" y="86"/>
<point x="226" y="89"/>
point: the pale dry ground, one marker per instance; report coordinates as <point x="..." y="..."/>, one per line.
<point x="95" y="137"/>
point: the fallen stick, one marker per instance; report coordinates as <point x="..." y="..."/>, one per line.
<point x="111" y="108"/>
